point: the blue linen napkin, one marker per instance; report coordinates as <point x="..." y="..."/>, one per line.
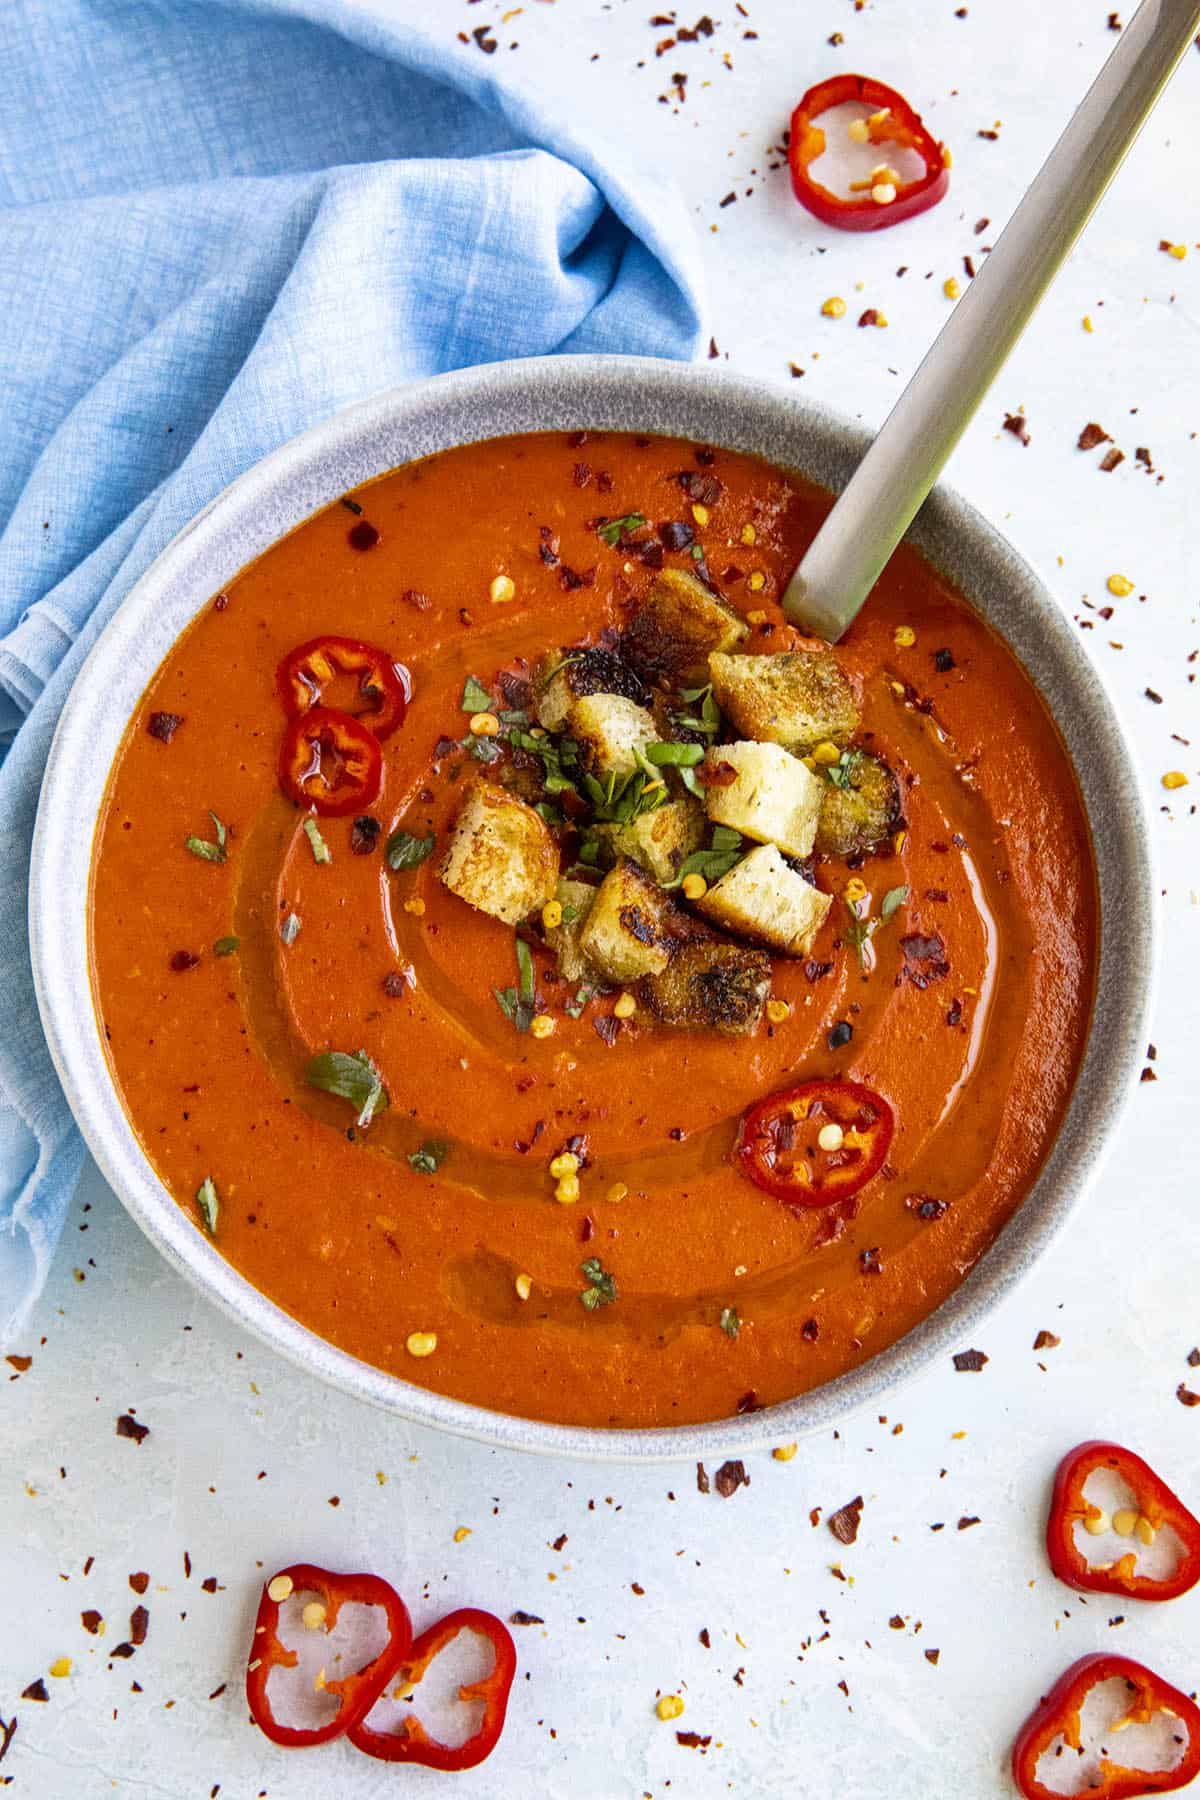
<point x="220" y="222"/>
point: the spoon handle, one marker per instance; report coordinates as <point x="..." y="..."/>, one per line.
<point x="882" y="497"/>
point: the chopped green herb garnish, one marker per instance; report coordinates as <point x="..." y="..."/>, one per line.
<point x="708" y="720"/>
<point x="429" y="1158"/>
<point x="838" y="774"/>
<point x="475" y="697"/>
<point x="320" y="849"/>
<point x="404" y="851"/>
<point x="894" y="898"/>
<point x="619" y="801"/>
<point x="227" y="946"/>
<point x="556" y="758"/>
<point x="675" y="756"/>
<point x="569" y="913"/>
<point x="202" y="847"/>
<point x="545" y="680"/>
<point x="208" y="1204"/>
<point x="483" y="749"/>
<point x="576" y="1008"/>
<point x="602" y="1287"/>
<point x="551" y="814"/>
<point x="731" y="1324"/>
<point x="289" y="931"/>
<point x="724" y="851"/>
<point x="517" y="1003"/>
<point x="612" y="530"/>
<point x="514" y="717"/>
<point x="350" y="1077"/>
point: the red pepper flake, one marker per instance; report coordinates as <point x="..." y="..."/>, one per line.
<point x="969" y="1362"/>
<point x="1112" y="460"/>
<point x="91" y="1620"/>
<point x="128" y="1427"/>
<point x="525" y="1618"/>
<point x="896" y="1622"/>
<point x="140" y="1581"/>
<point x="1114" y="21"/>
<point x="182" y="960"/>
<point x="844" y="1523"/>
<point x="221" y="603"/>
<point x="702" y="1482"/>
<point x="966" y="1522"/>
<point x="835" y="38"/>
<point x="943" y="661"/>
<point x="638" y="1589"/>
<point x="1186" y="1397"/>
<point x="363" y="536"/>
<point x="1150" y="694"/>
<point x="691" y="1740"/>
<point x="1015" y="422"/>
<point x="704" y="1638"/>
<point x="729" y="200"/>
<point x="35" y="1691"/>
<point x="1143" y="456"/>
<point x="931" y="1656"/>
<point x="364" y="834"/>
<point x="569" y="579"/>
<point x="925" y="958"/>
<point x="486" y="43"/>
<point x="20" y="1363"/>
<point x="607" y="1029"/>
<point x="139" y="1624"/>
<point x="1091" y="435"/>
<point x="581" y="474"/>
<point x="122" y="1650"/>
<point x="218" y="1691"/>
<point x="732" y="1475"/>
<point x="991" y="136"/>
<point x="394" y="985"/>
<point x="713" y="352"/>
<point x="749" y="1402"/>
<point x="187" y="1566"/>
<point x="559" y="1541"/>
<point x="815" y="971"/>
<point x="209" y="1584"/>
<point x="164" y="725"/>
<point x="6" y="1735"/>
<point x="1046" y="1340"/>
<point x="869" y="317"/>
<point x="810" y="1331"/>
<point x="716" y="774"/>
<point x="1193" y="1358"/>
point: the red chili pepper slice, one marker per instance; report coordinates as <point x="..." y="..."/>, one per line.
<point x="1156" y="1504"/>
<point x="778" y="1146"/>
<point x="412" y="1743"/>
<point x="1058" y="1715"/>
<point x="892" y="121"/>
<point x="331" y="762"/>
<point x="304" y="674"/>
<point x="356" y="1692"/>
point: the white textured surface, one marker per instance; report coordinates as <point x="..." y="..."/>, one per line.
<point x="1119" y="1289"/>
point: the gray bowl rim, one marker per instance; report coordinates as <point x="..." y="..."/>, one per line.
<point x="631" y="394"/>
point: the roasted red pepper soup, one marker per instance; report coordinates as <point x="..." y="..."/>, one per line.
<point x="457" y="1135"/>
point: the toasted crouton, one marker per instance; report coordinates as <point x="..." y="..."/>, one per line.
<point x="501" y="857"/>
<point x="627" y="931"/>
<point x="796" y="698"/>
<point x="765" y="901"/>
<point x="710" y="983"/>
<point x="773" y="798"/>
<point x="569" y="675"/>
<point x="576" y="899"/>
<point x="861" y="813"/>
<point x="669" y="638"/>
<point x="660" y="840"/>
<point x="609" y="730"/>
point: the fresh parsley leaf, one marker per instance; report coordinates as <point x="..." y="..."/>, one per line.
<point x="206" y="850"/>
<point x="724" y="852"/>
<point x="320" y="849"/>
<point x="404" y="851"/>
<point x="691" y="695"/>
<point x="893" y="899"/>
<point x="350" y="1077"/>
<point x="613" y="529"/>
<point x="731" y="1324"/>
<point x="289" y="931"/>
<point x="227" y="946"/>
<point x="429" y="1158"/>
<point x="475" y="697"/>
<point x="675" y="756"/>
<point x="724" y="837"/>
<point x="602" y="1287"/>
<point x="692" y="782"/>
<point x="208" y="1204"/>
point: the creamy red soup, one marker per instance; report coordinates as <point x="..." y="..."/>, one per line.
<point x="554" y="980"/>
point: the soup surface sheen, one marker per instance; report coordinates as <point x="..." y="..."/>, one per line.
<point x="975" y="1045"/>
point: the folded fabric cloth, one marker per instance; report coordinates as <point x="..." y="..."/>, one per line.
<point x="219" y="222"/>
